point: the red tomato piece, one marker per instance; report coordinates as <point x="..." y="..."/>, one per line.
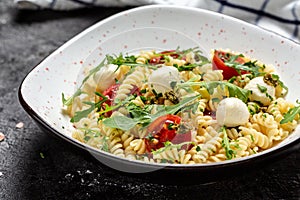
<point x="111" y="91"/>
<point x="218" y="63"/>
<point x="163" y="129"/>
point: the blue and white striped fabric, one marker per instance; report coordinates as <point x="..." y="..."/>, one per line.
<point x="280" y="16"/>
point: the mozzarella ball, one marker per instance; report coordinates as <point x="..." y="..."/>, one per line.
<point x="261" y="91"/>
<point x="105" y="77"/>
<point x="160" y="79"/>
<point x="232" y="112"/>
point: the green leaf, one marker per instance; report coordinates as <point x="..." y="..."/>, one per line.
<point x="249" y="66"/>
<point x="143" y="117"/>
<point x="83" y="113"/>
<point x="290" y="115"/>
<point x="175" y="108"/>
<point x="169" y="145"/>
<point x="78" y="92"/>
<point x="230" y="153"/>
<point x="120" y="122"/>
<point x="234" y="90"/>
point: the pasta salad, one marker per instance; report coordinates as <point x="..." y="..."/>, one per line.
<point x="178" y="106"/>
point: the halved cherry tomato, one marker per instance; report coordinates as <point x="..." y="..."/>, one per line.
<point x="218" y="63"/>
<point x="164" y="129"/>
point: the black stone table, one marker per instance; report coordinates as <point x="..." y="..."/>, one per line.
<point x="36" y="165"/>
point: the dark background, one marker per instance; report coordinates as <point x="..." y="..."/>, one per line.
<point x="35" y="165"/>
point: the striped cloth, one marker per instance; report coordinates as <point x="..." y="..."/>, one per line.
<point x="280" y="16"/>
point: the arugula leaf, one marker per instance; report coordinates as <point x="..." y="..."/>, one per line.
<point x="84" y="113"/>
<point x="249" y="66"/>
<point x="78" y="92"/>
<point x="121" y="60"/>
<point x="69" y="101"/>
<point x="174" y="108"/>
<point x="290" y="115"/>
<point x="144" y="117"/>
<point x="230" y="153"/>
<point x="169" y="145"/>
<point x="234" y="90"/>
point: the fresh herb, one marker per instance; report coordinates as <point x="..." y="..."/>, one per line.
<point x="78" y="92"/>
<point x="121" y="60"/>
<point x="261" y="88"/>
<point x="84" y="113"/>
<point x="230" y="153"/>
<point x="169" y="145"/>
<point x="104" y="142"/>
<point x="264" y="90"/>
<point x="291" y="114"/>
<point x="234" y="91"/>
<point x="249" y="66"/>
<point x="144" y="117"/>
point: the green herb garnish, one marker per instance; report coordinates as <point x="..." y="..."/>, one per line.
<point x="230" y="153"/>
<point x="291" y="114"/>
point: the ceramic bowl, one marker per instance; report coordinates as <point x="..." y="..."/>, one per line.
<point x="157" y="27"/>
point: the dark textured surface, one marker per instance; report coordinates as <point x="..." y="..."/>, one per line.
<point x="35" y="165"/>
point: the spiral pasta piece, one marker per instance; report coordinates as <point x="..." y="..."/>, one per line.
<point x="134" y="79"/>
<point x="259" y="139"/>
<point x="213" y="75"/>
<point x="144" y="57"/>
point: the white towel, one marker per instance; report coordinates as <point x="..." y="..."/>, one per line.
<point x="280" y="16"/>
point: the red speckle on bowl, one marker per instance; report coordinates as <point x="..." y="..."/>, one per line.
<point x="125" y="46"/>
<point x="199" y="33"/>
<point x="152" y="22"/>
<point x="74" y="82"/>
<point x="282" y="42"/>
<point x="104" y="35"/>
<point x="164" y="41"/>
<point x="81" y="62"/>
<point x="273" y="49"/>
<point x="47" y="69"/>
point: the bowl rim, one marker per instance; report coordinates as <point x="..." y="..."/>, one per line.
<point x="283" y="149"/>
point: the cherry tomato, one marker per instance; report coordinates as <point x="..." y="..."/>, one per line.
<point x="111" y="91"/>
<point x="164" y="129"/>
<point x="218" y="63"/>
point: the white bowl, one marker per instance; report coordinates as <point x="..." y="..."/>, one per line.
<point x="157" y="27"/>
